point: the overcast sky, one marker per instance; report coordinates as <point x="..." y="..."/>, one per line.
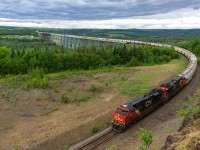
<point x="111" y="14"/>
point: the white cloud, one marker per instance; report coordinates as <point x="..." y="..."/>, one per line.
<point x="180" y="19"/>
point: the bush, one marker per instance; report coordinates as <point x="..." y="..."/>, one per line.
<point x="64" y="98"/>
<point x="133" y="62"/>
<point x="36" y="73"/>
<point x="94" y="88"/>
<point x="5" y="94"/>
<point x="15" y="147"/>
<point x="36" y="79"/>
<point x="192" y="107"/>
<point x="94" y="130"/>
<point x="13" y="101"/>
<point x="37" y="83"/>
<point x="145" y="137"/>
<point x="82" y="99"/>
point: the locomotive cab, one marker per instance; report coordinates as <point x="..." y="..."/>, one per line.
<point x="122" y="117"/>
<point x="119" y="118"/>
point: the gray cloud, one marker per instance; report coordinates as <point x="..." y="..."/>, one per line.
<point x="89" y="9"/>
<point x="185" y="18"/>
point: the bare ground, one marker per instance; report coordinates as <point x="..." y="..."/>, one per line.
<point x="40" y="121"/>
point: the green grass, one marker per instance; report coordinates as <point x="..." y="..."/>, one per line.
<point x="66" y="74"/>
<point x="191" y="107"/>
<point x="30" y="81"/>
<point x="183" y="63"/>
<point x="138" y="86"/>
<point x="133" y="87"/>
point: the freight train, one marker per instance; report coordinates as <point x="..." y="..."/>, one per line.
<point x="135" y="109"/>
<point x="130" y="112"/>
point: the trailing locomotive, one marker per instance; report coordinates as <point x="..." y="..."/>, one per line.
<point x="135" y="109"/>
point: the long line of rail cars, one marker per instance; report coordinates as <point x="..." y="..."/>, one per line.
<point x="60" y="36"/>
<point x="135" y="109"/>
<point x="130" y="112"/>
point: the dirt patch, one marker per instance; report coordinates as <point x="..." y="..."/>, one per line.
<point x="40" y="120"/>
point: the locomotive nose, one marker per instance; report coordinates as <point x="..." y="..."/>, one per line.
<point x="119" y="118"/>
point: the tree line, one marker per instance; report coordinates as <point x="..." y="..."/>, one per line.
<point x="55" y="59"/>
<point x="17" y="31"/>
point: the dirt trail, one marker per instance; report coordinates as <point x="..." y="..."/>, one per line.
<point x="162" y="122"/>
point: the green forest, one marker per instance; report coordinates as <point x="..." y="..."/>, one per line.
<point x="54" y="59"/>
<point x="20" y="55"/>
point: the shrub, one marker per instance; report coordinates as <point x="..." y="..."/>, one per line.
<point x="15" y="147"/>
<point x="64" y="98"/>
<point x="145" y="137"/>
<point x="13" y="101"/>
<point x="5" y="94"/>
<point x="94" y="130"/>
<point x="192" y="106"/>
<point x="94" y="88"/>
<point x="36" y="73"/>
<point x="37" y="83"/>
<point x="133" y="62"/>
<point x="82" y="99"/>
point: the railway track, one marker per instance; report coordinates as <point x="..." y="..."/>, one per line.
<point x="95" y="140"/>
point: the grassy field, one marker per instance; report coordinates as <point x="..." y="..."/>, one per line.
<point x="141" y="84"/>
<point x="132" y="81"/>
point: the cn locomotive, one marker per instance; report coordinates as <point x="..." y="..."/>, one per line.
<point x="130" y="112"/>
